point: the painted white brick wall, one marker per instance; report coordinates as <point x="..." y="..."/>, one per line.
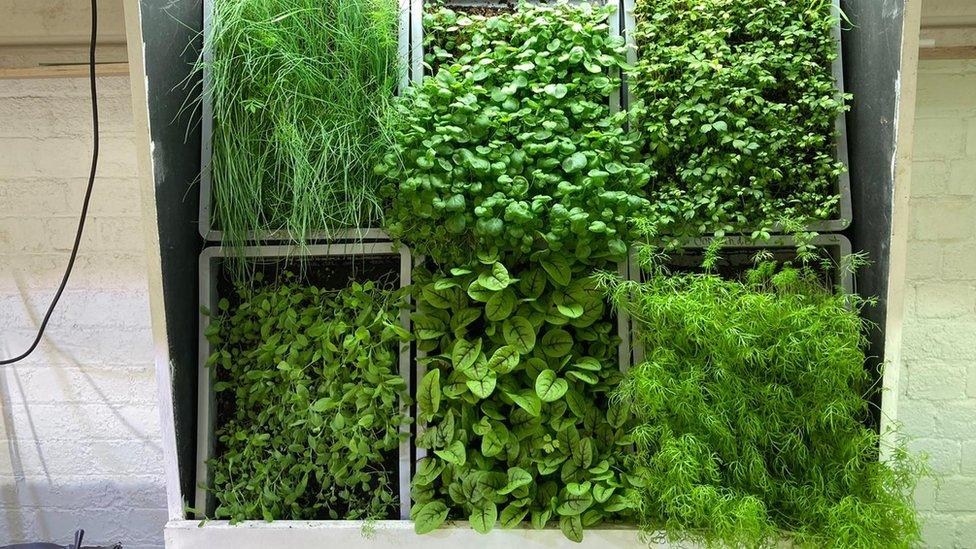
<point x="937" y="400"/>
<point x="79" y="425"/>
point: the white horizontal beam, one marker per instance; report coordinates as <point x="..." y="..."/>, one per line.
<point x="387" y="533"/>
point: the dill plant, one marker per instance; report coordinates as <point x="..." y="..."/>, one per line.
<point x="751" y="410"/>
<point x="299" y="88"/>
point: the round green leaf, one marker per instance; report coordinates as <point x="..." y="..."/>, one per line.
<point x="550" y="387"/>
<point x="557" y="342"/>
<point x="427" y="517"/>
<point x="519" y="333"/>
<point x="572" y="527"/>
<point x="575" y="162"/>
<point x="429" y="393"/>
<point x="504" y="359"/>
<point x="483" y="517"/>
<point x="465" y="353"/>
<point x="512" y="515"/>
<point x="501" y="305"/>
<point x="455" y="453"/>
<point x="482" y="387"/>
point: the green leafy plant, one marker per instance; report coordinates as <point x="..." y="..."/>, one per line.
<point x="309" y="402"/>
<point x="737" y="104"/>
<point x="513" y="146"/>
<point x="751" y="411"/>
<point x="299" y="88"/>
<point x="448" y="33"/>
<point x="514" y="404"/>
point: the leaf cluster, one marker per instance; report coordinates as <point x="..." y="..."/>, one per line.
<point x="515" y="401"/>
<point x="751" y="414"/>
<point x="309" y="402"/>
<point x="737" y="104"/>
<point x="512" y="145"/>
<point x="299" y="88"/>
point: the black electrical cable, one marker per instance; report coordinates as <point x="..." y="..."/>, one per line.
<point x="88" y="192"/>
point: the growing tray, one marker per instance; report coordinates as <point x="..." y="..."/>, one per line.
<point x="842" y="187"/>
<point x="343" y="262"/>
<point x="736" y="256"/>
<point x="205" y="221"/>
<point x="624" y="354"/>
<point x="418" y="7"/>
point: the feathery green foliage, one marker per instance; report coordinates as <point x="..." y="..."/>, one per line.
<point x="750" y="409"/>
<point x="299" y="88"/>
<point x="737" y="104"/>
<point x="513" y="146"/>
<point x="309" y="399"/>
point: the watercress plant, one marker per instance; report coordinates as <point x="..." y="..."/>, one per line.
<point x="514" y="146"/>
<point x="737" y="104"/>
<point x="308" y="402"/>
<point x="514" y="405"/>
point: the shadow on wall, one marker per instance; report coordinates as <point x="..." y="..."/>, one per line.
<point x="109" y="510"/>
<point x="65" y="466"/>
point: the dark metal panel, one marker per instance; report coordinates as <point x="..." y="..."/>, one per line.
<point x="872" y="65"/>
<point x="171" y="32"/>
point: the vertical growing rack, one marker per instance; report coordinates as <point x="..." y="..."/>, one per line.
<point x="170" y="161"/>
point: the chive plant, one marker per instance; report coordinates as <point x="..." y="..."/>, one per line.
<point x="298" y="90"/>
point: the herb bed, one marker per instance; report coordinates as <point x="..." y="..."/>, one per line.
<point x="209" y="228"/>
<point x="321" y="266"/>
<point x="419" y="36"/>
<point x="736" y="256"/>
<point x="843" y="212"/>
<point x="536" y="354"/>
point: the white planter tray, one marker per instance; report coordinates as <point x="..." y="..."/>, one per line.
<point x="205" y="221"/>
<point x="844" y="214"/>
<point x="418" y="8"/>
<point x="209" y="269"/>
<point x="186" y="534"/>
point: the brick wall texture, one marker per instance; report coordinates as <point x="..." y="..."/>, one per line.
<point x="79" y="426"/>
<point x="937" y="396"/>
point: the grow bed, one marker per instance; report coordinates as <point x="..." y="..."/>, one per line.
<point x="208" y="226"/>
<point x="494" y="401"/>
<point x="736" y="257"/>
<point x="842" y="186"/>
<point x="324" y="266"/>
<point x="419" y="9"/>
